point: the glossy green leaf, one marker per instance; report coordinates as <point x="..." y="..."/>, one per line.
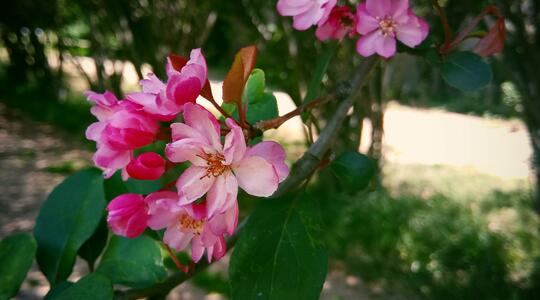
<point x="134" y="262"/>
<point x="466" y="71"/>
<point x="354" y="170"/>
<point x="318" y="74"/>
<point x="142" y="186"/>
<point x="280" y="255"/>
<point x="93" y="247"/>
<point x="16" y="256"/>
<point x="264" y="109"/>
<point x="254" y="90"/>
<point x="91" y="287"/>
<point x="66" y="220"/>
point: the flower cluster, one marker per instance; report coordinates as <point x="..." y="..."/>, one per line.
<point x="378" y="22"/>
<point x="201" y="208"/>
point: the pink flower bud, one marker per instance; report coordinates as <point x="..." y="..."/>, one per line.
<point x="127" y="215"/>
<point x="147" y="166"/>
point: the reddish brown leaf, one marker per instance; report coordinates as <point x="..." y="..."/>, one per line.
<point x="493" y="42"/>
<point x="177" y="61"/>
<point x="234" y="82"/>
<point x="206" y="91"/>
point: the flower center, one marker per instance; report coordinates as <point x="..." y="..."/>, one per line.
<point x="388" y="26"/>
<point x="214" y="164"/>
<point x="188" y="222"/>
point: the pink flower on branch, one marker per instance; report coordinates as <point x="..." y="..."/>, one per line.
<point x="121" y="128"/>
<point x="165" y="101"/>
<point x="306" y="13"/>
<point x="127" y="215"/>
<point x="190" y="223"/>
<point x="381" y="22"/>
<point x="340" y="23"/>
<point x="219" y="169"/>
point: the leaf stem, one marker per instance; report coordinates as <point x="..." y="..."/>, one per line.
<point x="179" y="265"/>
<point x="446" y="26"/>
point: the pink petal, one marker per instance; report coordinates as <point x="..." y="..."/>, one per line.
<point x="220" y="248"/>
<point x="225" y="222"/>
<point x="110" y="160"/>
<point x="325" y="31"/>
<point x="399" y="7"/>
<point x="256" y="176"/>
<point x="182" y="89"/>
<point x="163" y="209"/>
<point x="411" y="33"/>
<point x="177" y="239"/>
<point x="235" y="143"/>
<point x="127" y="215"/>
<point x="197" y="249"/>
<point x="379" y="8"/>
<point x="386" y="46"/>
<point x="293" y="7"/>
<point x="200" y="119"/>
<point x="310" y="17"/>
<point x="193" y="184"/>
<point x="366" y="23"/>
<point x="182" y="131"/>
<point x="93" y="132"/>
<point x="196" y="66"/>
<point x="147" y="166"/>
<point x="224" y="190"/>
<point x="188" y="149"/>
<point x="366" y="44"/>
<point x="273" y="153"/>
<point x="152" y="84"/>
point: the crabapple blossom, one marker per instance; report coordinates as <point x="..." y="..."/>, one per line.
<point x="340" y="23"/>
<point x="147" y="166"/>
<point x="306" y="13"/>
<point x="165" y="101"/>
<point x="219" y="169"/>
<point x="121" y="128"/>
<point x="127" y="215"/>
<point x="381" y="22"/>
<point x="190" y="223"/>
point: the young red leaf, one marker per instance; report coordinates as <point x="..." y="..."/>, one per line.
<point x="493" y="42"/>
<point x="234" y="82"/>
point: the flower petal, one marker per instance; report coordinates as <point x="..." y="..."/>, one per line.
<point x="386" y="46"/>
<point x="224" y="190"/>
<point x="200" y="119"/>
<point x="256" y="176"/>
<point x="235" y="144"/>
<point x="366" y="22"/>
<point x="379" y="8"/>
<point x="188" y="149"/>
<point x="273" y="153"/>
<point x="177" y="239"/>
<point x="193" y="184"/>
<point x="366" y="44"/>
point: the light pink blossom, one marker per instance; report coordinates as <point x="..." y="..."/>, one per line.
<point x="190" y="223"/>
<point x="121" y="128"/>
<point x="127" y="215"/>
<point x="381" y="22"/>
<point x="165" y="101"/>
<point x="219" y="169"/>
<point x="306" y="13"/>
<point x="147" y="166"/>
<point x="341" y="22"/>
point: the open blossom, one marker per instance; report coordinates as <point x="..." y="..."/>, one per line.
<point x="219" y="169"/>
<point x="147" y="166"/>
<point x="190" y="223"/>
<point x="165" y="101"/>
<point x="127" y="215"/>
<point x="121" y="128"/>
<point x="381" y="22"/>
<point x="340" y="22"/>
<point x="306" y="13"/>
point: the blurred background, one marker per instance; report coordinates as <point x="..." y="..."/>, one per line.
<point x="453" y="212"/>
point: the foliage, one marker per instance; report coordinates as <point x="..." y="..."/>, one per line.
<point x="16" y="256"/>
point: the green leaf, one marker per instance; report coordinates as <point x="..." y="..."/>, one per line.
<point x="320" y="69"/>
<point x="91" y="287"/>
<point x="254" y="90"/>
<point x="265" y="109"/>
<point x="114" y="187"/>
<point x="58" y="289"/>
<point x="16" y="256"/>
<point x="466" y="71"/>
<point x="280" y="254"/>
<point x="134" y="262"/>
<point x="93" y="247"/>
<point x="66" y="220"/>
<point x="143" y="187"/>
<point x="354" y="170"/>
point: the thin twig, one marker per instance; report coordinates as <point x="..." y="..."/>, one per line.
<point x="275" y="123"/>
<point x="446" y="26"/>
<point x="179" y="265"/>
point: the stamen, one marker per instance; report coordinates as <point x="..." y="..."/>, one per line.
<point x="387" y="26"/>
<point x="188" y="222"/>
<point x="215" y="164"/>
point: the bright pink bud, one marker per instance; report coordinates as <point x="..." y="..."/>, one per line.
<point x="147" y="166"/>
<point x="127" y="215"/>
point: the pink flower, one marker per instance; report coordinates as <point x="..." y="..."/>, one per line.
<point x="219" y="169"/>
<point x="340" y="23"/>
<point x="381" y="22"/>
<point x="306" y="13"/>
<point x="165" y="101"/>
<point x="147" y="166"/>
<point x="190" y="223"/>
<point x="121" y="128"/>
<point x="127" y="215"/>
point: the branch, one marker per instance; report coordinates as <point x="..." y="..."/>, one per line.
<point x="303" y="169"/>
<point x="305" y="166"/>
